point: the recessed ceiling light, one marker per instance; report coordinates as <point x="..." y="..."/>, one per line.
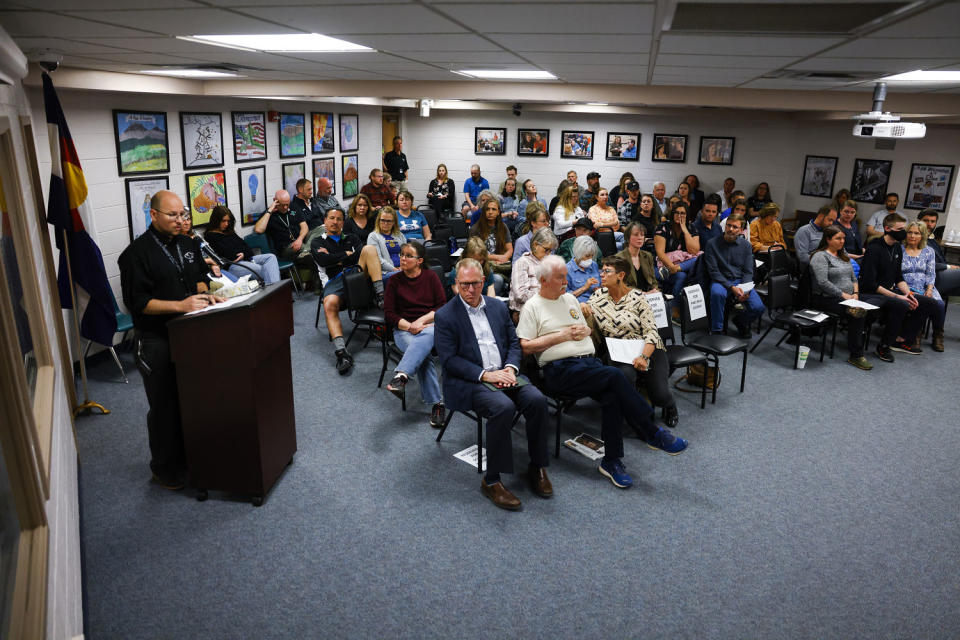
<point x="507" y="74"/>
<point x="925" y="76"/>
<point x="190" y="73"/>
<point x="283" y="42"/>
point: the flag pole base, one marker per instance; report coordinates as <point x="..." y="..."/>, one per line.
<point x="86" y="408"/>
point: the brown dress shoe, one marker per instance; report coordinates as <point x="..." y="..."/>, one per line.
<point x="500" y="496"/>
<point x="938" y="340"/>
<point x="539" y="482"/>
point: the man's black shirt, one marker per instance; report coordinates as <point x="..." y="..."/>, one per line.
<point x="309" y="211"/>
<point x="396" y="164"/>
<point x="284" y="228"/>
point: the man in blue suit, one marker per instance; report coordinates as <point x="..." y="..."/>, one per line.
<point x="480" y="356"/>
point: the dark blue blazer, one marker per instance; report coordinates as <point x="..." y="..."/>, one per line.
<point x="456" y="344"/>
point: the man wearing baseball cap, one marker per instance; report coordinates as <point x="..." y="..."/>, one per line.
<point x="589" y="197"/>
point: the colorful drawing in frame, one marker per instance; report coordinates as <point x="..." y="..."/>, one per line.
<point x="818" y="175"/>
<point x="139" y="193"/>
<point x="351" y="176"/>
<point x="325" y="168"/>
<point x="249" y="136"/>
<point x="714" y="150"/>
<point x="292" y="135"/>
<point x="929" y="186"/>
<point x="293" y="171"/>
<point x="141" y="141"/>
<point x="668" y="147"/>
<point x="576" y="144"/>
<point x="349" y="132"/>
<point x="201" y="138"/>
<point x="321" y="132"/>
<point x="253" y="193"/>
<point x="533" y="142"/>
<point x="870" y="180"/>
<point x="623" y="146"/>
<point x="204" y="192"/>
<point x="489" y="141"/>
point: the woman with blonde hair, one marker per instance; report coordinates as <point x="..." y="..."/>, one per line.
<point x="442" y="192"/>
<point x="476" y="249"/>
<point x="360" y="219"/>
<point x="567" y="212"/>
<point x="388" y="239"/>
<point x="920" y="274"/>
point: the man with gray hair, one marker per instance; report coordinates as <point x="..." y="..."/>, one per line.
<point x="659" y="200"/>
<point x="473" y="186"/>
<point x="553" y="328"/>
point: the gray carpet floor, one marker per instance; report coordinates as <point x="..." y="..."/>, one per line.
<point x="821" y="503"/>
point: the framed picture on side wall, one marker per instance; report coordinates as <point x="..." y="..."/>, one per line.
<point x="293" y="171"/>
<point x="201" y="138"/>
<point x="669" y="147"/>
<point x="818" y="175"/>
<point x="325" y="168"/>
<point x="141" y="141"/>
<point x="249" y="136"/>
<point x="139" y="192"/>
<point x="576" y="144"/>
<point x="204" y="192"/>
<point x="623" y="146"/>
<point x="489" y="141"/>
<point x="293" y="131"/>
<point x="533" y="142"/>
<point x="870" y="179"/>
<point x="714" y="150"/>
<point x="321" y="132"/>
<point x="929" y="186"/>
<point x="253" y="193"/>
<point x="351" y="175"/>
<point x="349" y="132"/>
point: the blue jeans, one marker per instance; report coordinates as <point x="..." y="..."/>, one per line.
<point x="675" y="281"/>
<point x="264" y="265"/>
<point x="753" y="306"/>
<point x="416" y="358"/>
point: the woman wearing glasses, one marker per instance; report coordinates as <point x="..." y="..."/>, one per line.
<point x="524" y="282"/>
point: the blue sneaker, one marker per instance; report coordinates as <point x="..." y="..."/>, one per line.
<point x="666" y="441"/>
<point x="615" y="470"/>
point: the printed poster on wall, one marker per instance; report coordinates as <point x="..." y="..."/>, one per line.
<point x="249" y="136"/>
<point x="929" y="186"/>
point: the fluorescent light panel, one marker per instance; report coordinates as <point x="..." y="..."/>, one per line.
<point x="925" y="76"/>
<point x="190" y="73"/>
<point x="302" y="42"/>
<point x="507" y="74"/>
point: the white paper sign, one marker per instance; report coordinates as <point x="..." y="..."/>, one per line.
<point x="655" y="300"/>
<point x="469" y="455"/>
<point x="698" y="306"/>
<point x="457" y="253"/>
<point x="758" y="263"/>
<point x="859" y="304"/>
<point x="625" y="351"/>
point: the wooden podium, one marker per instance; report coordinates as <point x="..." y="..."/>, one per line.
<point x="236" y="392"/>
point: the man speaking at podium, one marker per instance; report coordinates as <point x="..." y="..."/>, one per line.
<point x="161" y="278"/>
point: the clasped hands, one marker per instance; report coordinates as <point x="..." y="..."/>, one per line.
<point x="501" y="378"/>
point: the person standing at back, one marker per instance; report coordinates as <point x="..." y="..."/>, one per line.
<point x="395" y="163"/>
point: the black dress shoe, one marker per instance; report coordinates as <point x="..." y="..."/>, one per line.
<point x="500" y="496"/>
<point x="344" y="361"/>
<point x="672" y="417"/>
<point x="539" y="482"/>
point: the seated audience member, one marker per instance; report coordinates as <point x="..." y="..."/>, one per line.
<point x="485" y="196"/>
<point x="919" y="270"/>
<point x="641" y="273"/>
<point x="847" y="221"/>
<point x="231" y="247"/>
<point x="683" y="192"/>
<point x="831" y="282"/>
<point x="740" y="208"/>
<point x="567" y="212"/>
<point x="605" y="218"/>
<point x="948" y="275"/>
<point x="324" y="200"/>
<point x="729" y="262"/>
<point x="807" y="237"/>
<point x="442" y="192"/>
<point x="882" y="284"/>
<point x="760" y="198"/>
<point x="337" y="253"/>
<point x="621" y="311"/>
<point x="409" y="304"/>
<point x="582" y="227"/>
<point x="839" y="199"/>
<point x="553" y="328"/>
<point x="476" y="249"/>
<point x="677" y="244"/>
<point x="619" y="193"/>
<point x="388" y="183"/>
<point x="660" y="204"/>
<point x="473" y="186"/>
<point x="583" y="276"/>
<point x="495" y="235"/>
<point x="285" y="228"/>
<point x="561" y="189"/>
<point x="766" y="232"/>
<point x="361" y="219"/>
<point x="572" y="180"/>
<point x="524" y="280"/>
<point x="387" y="239"/>
<point x="707" y="225"/>
<point x="510" y="205"/>
<point x="697" y="197"/>
<point x="511" y="174"/>
<point x="528" y="195"/>
<point x="202" y="256"/>
<point x="732" y="202"/>
<point x="588" y="197"/>
<point x="377" y="190"/>
<point x="726" y="193"/>
<point x="412" y="223"/>
<point x="477" y="346"/>
<point x="303" y="203"/>
<point x="536" y="218"/>
<point x="629" y="205"/>
<point x="875" y="223"/>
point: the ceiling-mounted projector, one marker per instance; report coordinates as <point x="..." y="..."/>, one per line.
<point x="881" y="124"/>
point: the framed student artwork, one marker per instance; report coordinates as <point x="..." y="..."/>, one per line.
<point x="325" y="168"/>
<point x="623" y="146"/>
<point x="714" y="150"/>
<point x="818" y="175"/>
<point x="349" y="132"/>
<point x="141" y="141"/>
<point x="249" y="136"/>
<point x="489" y="141"/>
<point x="929" y="186"/>
<point x="201" y="138"/>
<point x="576" y="144"/>
<point x="293" y="171"/>
<point x="292" y="135"/>
<point x="139" y="193"/>
<point x="253" y="193"/>
<point x="533" y="142"/>
<point x="321" y="132"/>
<point x="351" y="175"/>
<point x="204" y="192"/>
<point x="870" y="179"/>
<point x="668" y="147"/>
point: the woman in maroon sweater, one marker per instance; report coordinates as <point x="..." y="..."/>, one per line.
<point x="409" y="302"/>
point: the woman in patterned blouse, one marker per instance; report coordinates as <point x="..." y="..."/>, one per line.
<point x="621" y="311"/>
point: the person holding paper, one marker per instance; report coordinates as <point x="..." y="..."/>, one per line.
<point x="729" y="261"/>
<point x="832" y="281"/>
<point x="621" y="311"/>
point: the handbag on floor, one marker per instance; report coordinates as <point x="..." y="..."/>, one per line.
<point x="694" y="378"/>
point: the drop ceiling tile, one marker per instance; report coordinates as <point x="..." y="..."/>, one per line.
<point x="133" y="59"/>
<point x="720" y="44"/>
<point x="784" y="83"/>
<point x="99" y="5"/>
<point x="588" y="58"/>
<point x="593" y="43"/>
<point x="178" y="22"/>
<point x="466" y="44"/>
<point x="899" y="48"/>
<point x="938" y="22"/>
<point x="439" y="75"/>
<point x="723" y="61"/>
<point x="39" y="24"/>
<point x="616" y="18"/>
<point x="64" y="46"/>
<point x="461" y="57"/>
<point x="882" y="66"/>
<point x="157" y="44"/>
<point x="239" y="4"/>
<point x="367" y="19"/>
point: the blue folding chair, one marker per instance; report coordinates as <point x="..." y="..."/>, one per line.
<point x="259" y="241"/>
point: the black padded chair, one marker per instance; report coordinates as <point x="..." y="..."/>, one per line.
<point x="438" y="254"/>
<point x="476" y="418"/>
<point x="559" y="403"/>
<point x="459" y="229"/>
<point x="680" y="356"/>
<point x="714" y="346"/>
<point x="782" y="315"/>
<point x="430" y="215"/>
<point x="606" y="243"/>
<point x="358" y="300"/>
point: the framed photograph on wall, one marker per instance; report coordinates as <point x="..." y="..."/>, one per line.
<point x="249" y="136"/>
<point x="201" y="138"/>
<point x="576" y="144"/>
<point x="669" y="147"/>
<point x="204" y="192"/>
<point x="141" y="141"/>
<point x="715" y="150"/>
<point x="929" y="186"/>
<point x="351" y="175"/>
<point x="253" y="193"/>
<point x="488" y="141"/>
<point x="533" y="142"/>
<point x="870" y="179"/>
<point x="325" y="168"/>
<point x="349" y="132"/>
<point x="139" y="192"/>
<point x="818" y="175"/>
<point x="623" y="146"/>
<point x="321" y="132"/>
<point x="293" y="131"/>
<point x="293" y="171"/>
